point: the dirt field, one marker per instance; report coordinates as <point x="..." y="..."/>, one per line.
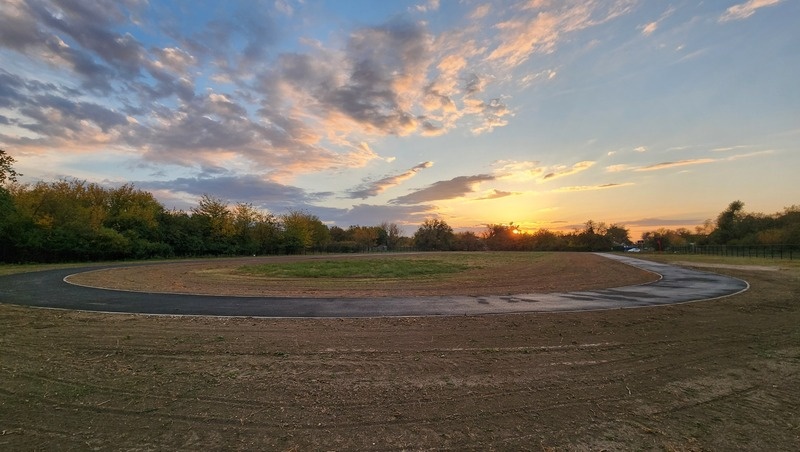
<point x="714" y="375"/>
<point x="497" y="274"/>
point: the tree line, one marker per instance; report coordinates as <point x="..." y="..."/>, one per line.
<point x="436" y="235"/>
<point x="72" y="220"/>
<point x="732" y="227"/>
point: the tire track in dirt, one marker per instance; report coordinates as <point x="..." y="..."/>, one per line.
<point x="715" y="375"/>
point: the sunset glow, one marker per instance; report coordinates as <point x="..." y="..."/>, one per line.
<point x="544" y="114"/>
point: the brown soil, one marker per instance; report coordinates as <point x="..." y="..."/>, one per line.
<point x="553" y="273"/>
<point x="714" y="375"/>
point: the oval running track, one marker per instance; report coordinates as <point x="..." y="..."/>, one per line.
<point x="48" y="289"/>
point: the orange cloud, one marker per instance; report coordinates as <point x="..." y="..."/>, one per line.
<point x="666" y="165"/>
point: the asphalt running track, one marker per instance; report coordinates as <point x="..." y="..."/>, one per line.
<point x="48" y="289"/>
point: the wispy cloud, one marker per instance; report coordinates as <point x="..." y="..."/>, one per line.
<point x="749" y="155"/>
<point x="619" y="168"/>
<point x="430" y="5"/>
<point x="562" y="171"/>
<point x="519" y="171"/>
<point x="534" y="30"/>
<point x="496" y="194"/>
<point x="688" y="162"/>
<point x="745" y="10"/>
<point x="577" y="188"/>
<point x="374" y="188"/>
<point x="667" y="165"/>
<point x="731" y="148"/>
<point x="651" y="27"/>
<point x="448" y="189"/>
<point x="661" y="222"/>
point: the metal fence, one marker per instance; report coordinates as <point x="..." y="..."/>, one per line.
<point x="764" y="251"/>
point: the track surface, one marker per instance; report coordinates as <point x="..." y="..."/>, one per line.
<point x="677" y="285"/>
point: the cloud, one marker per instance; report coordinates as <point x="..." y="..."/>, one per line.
<point x="518" y="171"/>
<point x="248" y="188"/>
<point x="376" y="187"/>
<point x="745" y="10"/>
<point x="561" y="171"/>
<point x="533" y="30"/>
<point x="731" y="148"/>
<point x="496" y="194"/>
<point x="368" y="214"/>
<point x="521" y="171"/>
<point x="660" y="222"/>
<point x="651" y="27"/>
<point x="640" y="149"/>
<point x="750" y="154"/>
<point x="215" y="92"/>
<point x="667" y="165"/>
<point x="449" y="189"/>
<point x="688" y="162"/>
<point x="618" y="168"/>
<point x="430" y="5"/>
<point x="577" y="188"/>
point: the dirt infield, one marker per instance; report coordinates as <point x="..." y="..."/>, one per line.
<point x="511" y="273"/>
<point x="716" y="375"/>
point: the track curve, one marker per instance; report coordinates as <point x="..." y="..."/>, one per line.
<point x="48" y="289"/>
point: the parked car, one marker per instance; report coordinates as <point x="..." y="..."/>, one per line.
<point x="634" y="250"/>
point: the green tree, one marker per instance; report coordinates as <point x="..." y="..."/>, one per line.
<point x="728" y="224"/>
<point x="245" y="218"/>
<point x="392" y="233"/>
<point x="7" y="172"/>
<point x="367" y="237"/>
<point x="434" y="235"/>
<point x="545" y="240"/>
<point x="302" y="232"/>
<point x="216" y="222"/>
<point x="12" y="228"/>
<point x="468" y="241"/>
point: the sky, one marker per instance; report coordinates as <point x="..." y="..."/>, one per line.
<point x="540" y="113"/>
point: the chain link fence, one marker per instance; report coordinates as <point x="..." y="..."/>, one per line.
<point x="764" y="251"/>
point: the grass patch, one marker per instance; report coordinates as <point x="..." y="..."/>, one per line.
<point x="11" y="269"/>
<point x="356" y="268"/>
<point x="724" y="260"/>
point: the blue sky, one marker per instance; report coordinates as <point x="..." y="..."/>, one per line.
<point x="542" y="113"/>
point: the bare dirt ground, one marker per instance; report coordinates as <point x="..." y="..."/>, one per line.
<point x="713" y="375"/>
<point x="541" y="274"/>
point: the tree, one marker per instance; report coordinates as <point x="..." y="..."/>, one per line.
<point x="468" y="241"/>
<point x="303" y="232"/>
<point x="545" y="240"/>
<point x="136" y="215"/>
<point x="366" y="237"/>
<point x="502" y="237"/>
<point x="392" y="233"/>
<point x="216" y="222"/>
<point x="594" y="237"/>
<point x="728" y="223"/>
<point x="618" y="235"/>
<point x="7" y="172"/>
<point x="244" y="219"/>
<point x="12" y="228"/>
<point x="434" y="235"/>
